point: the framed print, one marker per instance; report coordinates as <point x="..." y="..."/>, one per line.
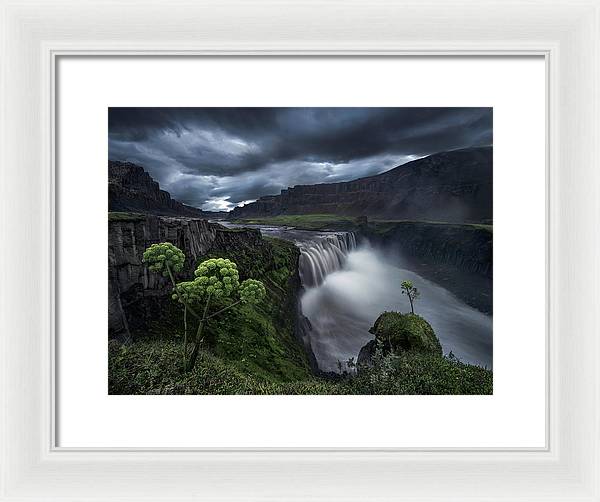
<point x="250" y="243"/>
<point x="332" y="266"/>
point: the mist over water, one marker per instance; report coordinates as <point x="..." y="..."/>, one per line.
<point x="347" y="301"/>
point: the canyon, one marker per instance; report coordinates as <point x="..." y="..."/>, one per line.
<point x="310" y="276"/>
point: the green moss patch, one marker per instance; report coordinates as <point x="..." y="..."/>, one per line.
<point x="155" y="367"/>
<point x="405" y="332"/>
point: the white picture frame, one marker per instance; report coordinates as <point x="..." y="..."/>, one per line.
<point x="34" y="34"/>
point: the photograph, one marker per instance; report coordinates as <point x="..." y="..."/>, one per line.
<point x="300" y="251"/>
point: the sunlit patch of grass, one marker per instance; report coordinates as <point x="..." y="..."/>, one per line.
<point x="121" y="216"/>
<point x="305" y="221"/>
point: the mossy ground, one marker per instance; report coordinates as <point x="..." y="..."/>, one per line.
<point x="403" y="332"/>
<point x="155" y="367"/>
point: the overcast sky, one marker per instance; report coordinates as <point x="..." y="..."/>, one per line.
<point x="217" y="158"/>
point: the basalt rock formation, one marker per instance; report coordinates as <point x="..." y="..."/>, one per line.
<point x="131" y="189"/>
<point x="129" y="279"/>
<point x="458" y="257"/>
<point x="454" y="186"/>
<point x="468" y="248"/>
<point x="137" y="298"/>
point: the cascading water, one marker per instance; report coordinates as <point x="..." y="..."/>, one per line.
<point x="347" y="285"/>
<point x="324" y="256"/>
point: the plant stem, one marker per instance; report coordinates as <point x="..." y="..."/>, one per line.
<point x="198" y="340"/>
<point x="181" y="299"/>
<point x="184" y="336"/>
<point x="223" y="309"/>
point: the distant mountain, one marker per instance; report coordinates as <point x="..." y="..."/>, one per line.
<point x="454" y="186"/>
<point x="131" y="189"/>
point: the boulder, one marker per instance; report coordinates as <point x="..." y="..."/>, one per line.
<point x="398" y="332"/>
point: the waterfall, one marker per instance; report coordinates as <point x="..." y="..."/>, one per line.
<point x="347" y="286"/>
<point x="343" y="307"/>
<point x="324" y="256"/>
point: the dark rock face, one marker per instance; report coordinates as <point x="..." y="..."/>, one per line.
<point x="453" y="186"/>
<point x="129" y="280"/>
<point x="458" y="257"/>
<point x="365" y="356"/>
<point x="467" y="248"/>
<point x="137" y="296"/>
<point x="131" y="189"/>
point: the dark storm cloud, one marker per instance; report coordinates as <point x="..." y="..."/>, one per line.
<point x="220" y="157"/>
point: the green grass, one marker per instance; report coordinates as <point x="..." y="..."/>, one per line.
<point x="305" y="221"/>
<point x="155" y="367"/>
<point x="383" y="226"/>
<point x="258" y="341"/>
<point x="419" y="373"/>
<point x="348" y="223"/>
<point x="119" y="216"/>
<point x="261" y="340"/>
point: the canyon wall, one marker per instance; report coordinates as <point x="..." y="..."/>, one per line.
<point x="131" y="189"/>
<point x="139" y="299"/>
<point x="128" y="237"/>
<point x="453" y="186"/>
<point x="458" y="257"/>
<point x="466" y="247"/>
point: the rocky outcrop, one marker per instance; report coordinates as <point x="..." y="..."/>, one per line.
<point x="396" y="333"/>
<point x="453" y="186"/>
<point x="366" y="354"/>
<point x="131" y="189"/>
<point x="128" y="237"/>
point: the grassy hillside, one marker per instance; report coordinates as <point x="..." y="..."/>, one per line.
<point x="153" y="367"/>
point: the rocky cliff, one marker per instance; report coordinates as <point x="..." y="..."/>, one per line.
<point x="128" y="237"/>
<point x="131" y="189"/>
<point x="453" y="186"/>
<point x="466" y="247"/>
<point x="139" y="301"/>
<point x="458" y="257"/>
